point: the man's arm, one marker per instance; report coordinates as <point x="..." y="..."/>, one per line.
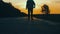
<point x="26" y="5"/>
<point x="34" y="4"/>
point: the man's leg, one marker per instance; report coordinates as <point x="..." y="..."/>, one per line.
<point x="28" y="14"/>
<point x="31" y="14"/>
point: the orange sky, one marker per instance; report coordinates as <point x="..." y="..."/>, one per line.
<point x="21" y="4"/>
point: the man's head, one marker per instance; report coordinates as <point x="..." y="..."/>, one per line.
<point x="30" y="0"/>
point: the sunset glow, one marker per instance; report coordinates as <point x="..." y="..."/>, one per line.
<point x="21" y="5"/>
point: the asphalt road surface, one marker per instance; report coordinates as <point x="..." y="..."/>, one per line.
<point x="21" y="25"/>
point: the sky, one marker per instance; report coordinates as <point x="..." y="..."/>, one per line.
<point x="21" y="5"/>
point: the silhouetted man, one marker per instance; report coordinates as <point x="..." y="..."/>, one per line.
<point x="30" y="5"/>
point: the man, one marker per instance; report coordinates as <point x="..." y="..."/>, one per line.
<point x="30" y="5"/>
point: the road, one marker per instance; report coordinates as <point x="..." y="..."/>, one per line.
<point x="21" y="25"/>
